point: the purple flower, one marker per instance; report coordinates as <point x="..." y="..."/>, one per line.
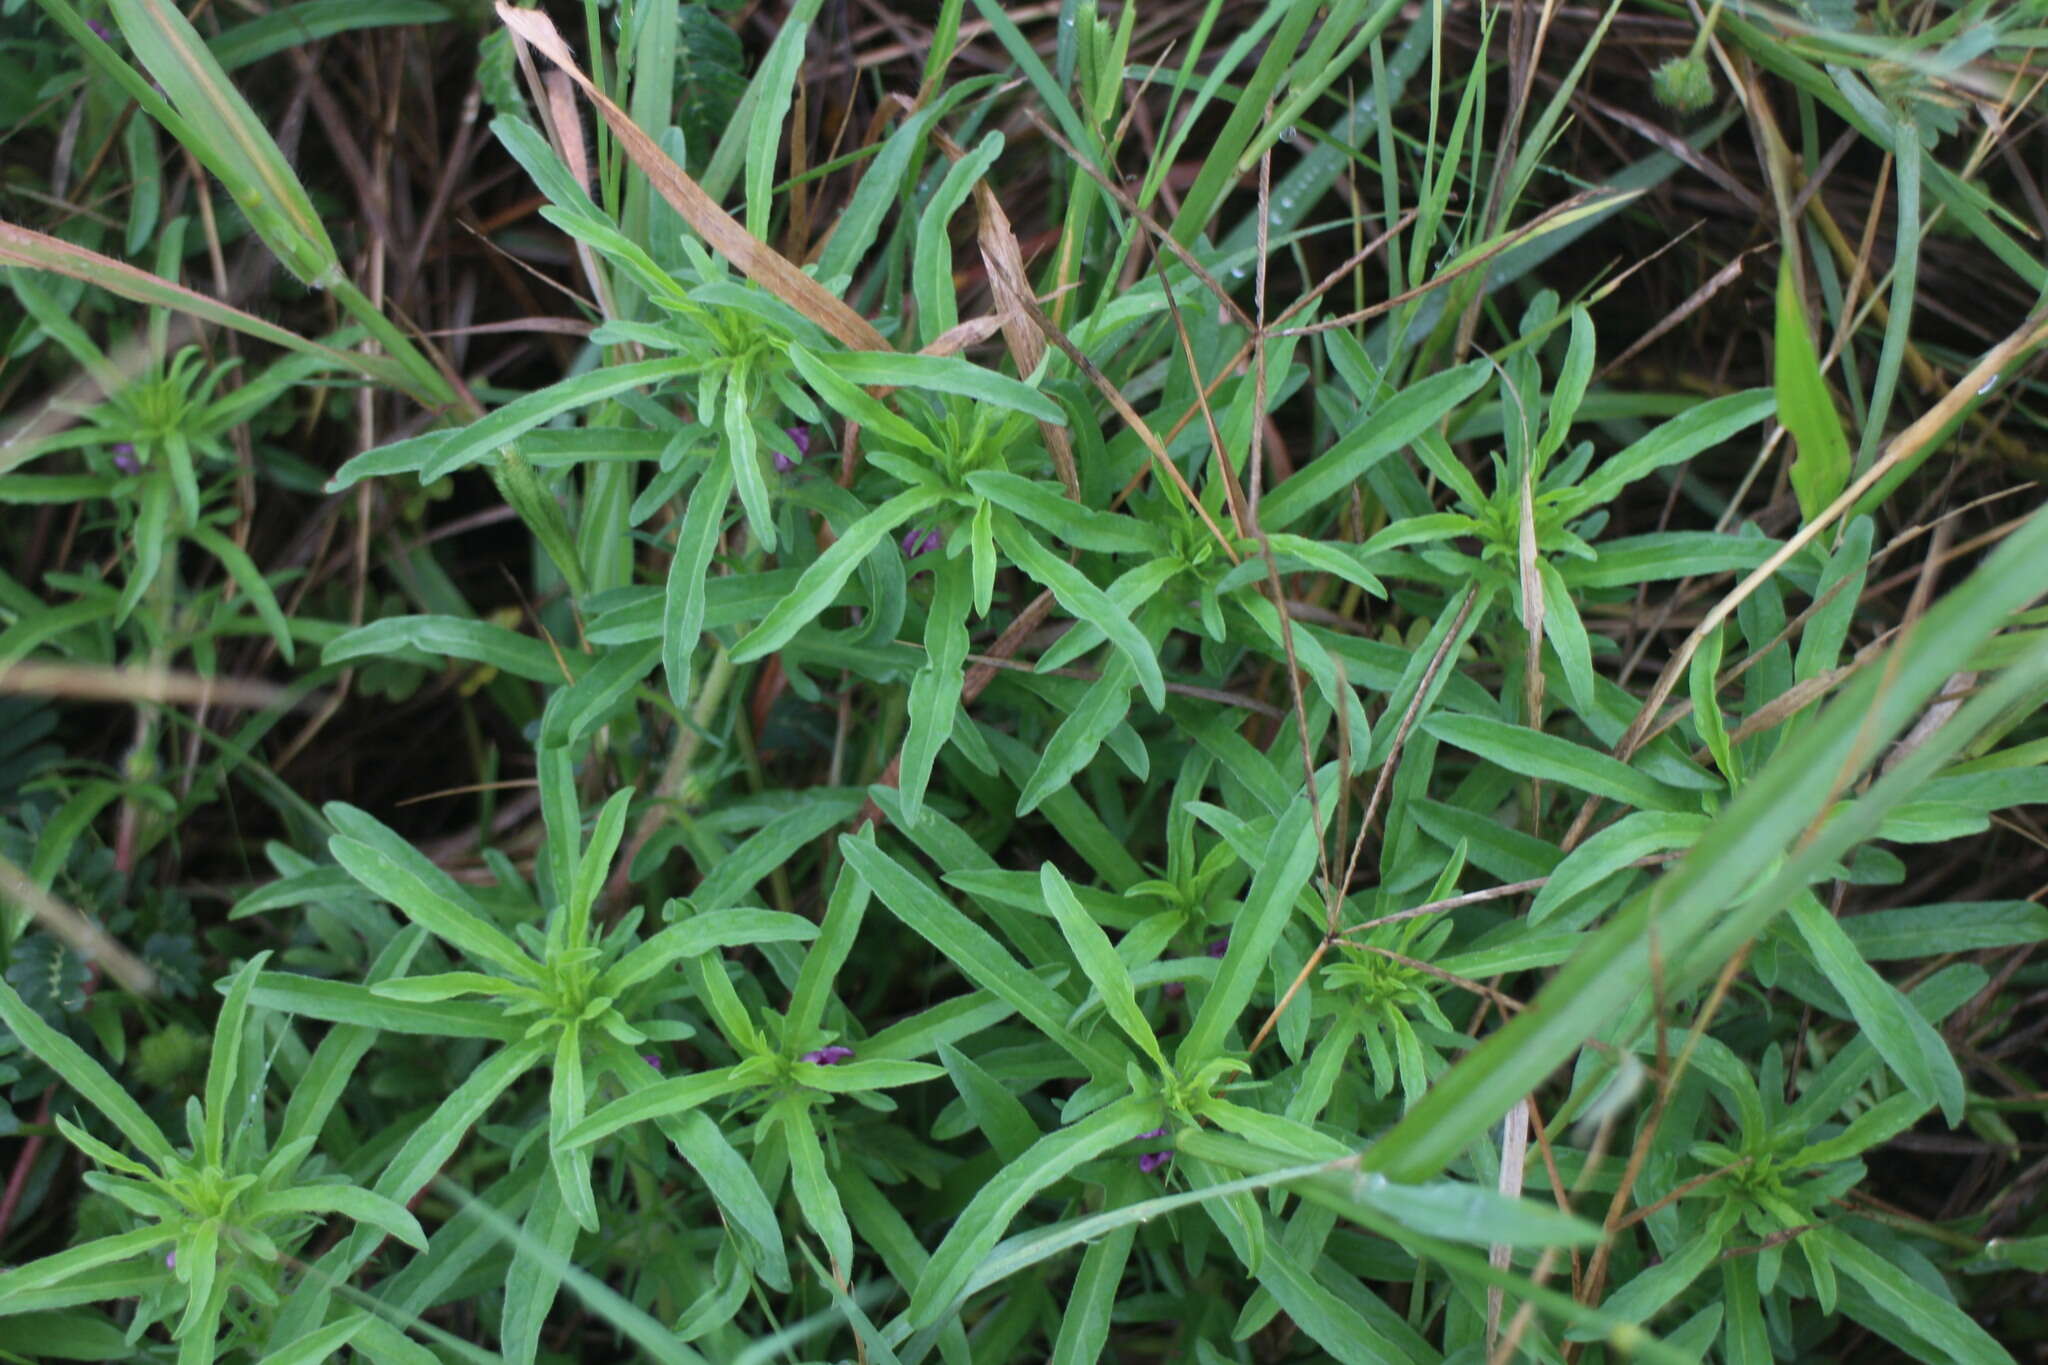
<point x="124" y="458"/>
<point x="800" y="437"/>
<point x="101" y="29"/>
<point x="828" y="1056"/>
<point x="170" y="1260"/>
<point x="1219" y="947"/>
<point x="652" y="1061"/>
<point x="920" y="542"/>
<point x="1152" y="1161"/>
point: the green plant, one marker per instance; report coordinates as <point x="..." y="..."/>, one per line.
<point x="212" y="1223"/>
<point x="1193" y="835"/>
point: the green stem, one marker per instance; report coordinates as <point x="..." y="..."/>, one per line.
<point x="676" y="772"/>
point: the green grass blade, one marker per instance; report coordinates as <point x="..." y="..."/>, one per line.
<point x="1763" y="820"/>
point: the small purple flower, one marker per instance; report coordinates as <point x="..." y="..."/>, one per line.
<point x="101" y="29"/>
<point x="170" y="1260"/>
<point x="828" y="1056"/>
<point x="920" y="542"/>
<point x="124" y="458"/>
<point x="1152" y="1161"/>
<point x="1219" y="947"/>
<point x="652" y="1061"/>
<point x="800" y="437"/>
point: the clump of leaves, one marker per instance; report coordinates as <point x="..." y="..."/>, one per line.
<point x="1248" y="864"/>
<point x="213" y="1221"/>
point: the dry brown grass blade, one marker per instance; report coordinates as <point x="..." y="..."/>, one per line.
<point x="1514" y="1161"/>
<point x="1007" y="280"/>
<point x="1444" y="650"/>
<point x="1670" y="1071"/>
<point x="1671" y="144"/>
<point x="1483" y="895"/>
<point x="1531" y="580"/>
<point x="84" y="937"/>
<point x="82" y="682"/>
<point x="1693" y="302"/>
<point x="755" y="258"/>
<point x="961" y="335"/>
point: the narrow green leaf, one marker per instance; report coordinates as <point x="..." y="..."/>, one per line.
<point x="225" y="134"/>
<point x="1080" y="735"/>
<point x="1702" y="680"/>
<point x="1940" y="1323"/>
<point x="987" y="1216"/>
<point x="1082" y="600"/>
<point x="1400" y="421"/>
<point x="398" y="873"/>
<point x="345" y="1002"/>
<point x="1282" y="872"/>
<point x="1070" y="522"/>
<point x="1633" y="836"/>
<point x="853" y="402"/>
<point x="932" y="258"/>
<point x="944" y="374"/>
<point x="539" y="1257"/>
<point x="935" y="691"/>
<point x="436" y="1139"/>
<point x="293" y="25"/>
<point x="453" y="636"/>
<point x="828" y="573"/>
<point x="351" y="1202"/>
<point x="808" y="1178"/>
<point x="1909" y="1046"/>
<point x="774" y="83"/>
<point x="577" y="711"/>
<point x="19" y="1281"/>
<point x="970" y="948"/>
<point x="1000" y="1115"/>
<point x="1099" y="961"/>
<point x="1951" y="927"/>
<point x="1566" y="632"/>
<point x="1554" y="759"/>
<point x="1086" y="1312"/>
<point x="222" y="1101"/>
<point x="86" y="1076"/>
<point x="1820" y="469"/>
<point x="836" y="935"/>
<point x="682" y="616"/>
<point x="655" y="1100"/>
<point x="1700" y="427"/>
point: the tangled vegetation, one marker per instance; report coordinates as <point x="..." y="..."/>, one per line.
<point x="1351" y="680"/>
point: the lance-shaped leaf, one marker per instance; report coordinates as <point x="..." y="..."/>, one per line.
<point x="229" y="138"/>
